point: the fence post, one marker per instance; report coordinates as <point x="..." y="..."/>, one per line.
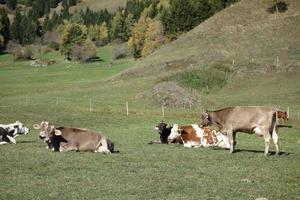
<point x="163" y="110"/>
<point x="288" y="112"/>
<point x="127" y="110"/>
<point x="90" y="104"/>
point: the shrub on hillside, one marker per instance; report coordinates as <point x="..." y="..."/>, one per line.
<point x="278" y="7"/>
<point x="52" y="39"/>
<point x="20" y="52"/>
<point x="46" y="50"/>
<point x="54" y="46"/>
<point x="84" y="52"/>
<point x="206" y="78"/>
<point x="121" y="51"/>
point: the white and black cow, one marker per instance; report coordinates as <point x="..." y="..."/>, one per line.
<point x="8" y="132"/>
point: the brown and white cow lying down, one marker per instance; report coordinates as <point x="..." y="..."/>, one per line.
<point x="65" y="139"/>
<point x="252" y="119"/>
<point x="195" y="136"/>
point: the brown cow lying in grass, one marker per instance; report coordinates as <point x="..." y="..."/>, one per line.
<point x="65" y="139"/>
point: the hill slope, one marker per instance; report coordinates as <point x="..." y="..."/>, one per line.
<point x="95" y="5"/>
<point x="110" y="5"/>
<point x="244" y="32"/>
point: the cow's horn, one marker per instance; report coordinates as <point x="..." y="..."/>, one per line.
<point x="57" y="132"/>
<point x="36" y="126"/>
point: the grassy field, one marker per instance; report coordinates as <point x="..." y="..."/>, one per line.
<point x="61" y="94"/>
<point x="96" y="5"/>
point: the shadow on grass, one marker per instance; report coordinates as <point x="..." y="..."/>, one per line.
<point x="96" y="59"/>
<point x="3" y="53"/>
<point x="255" y="151"/>
<point x="262" y="152"/>
<point x="27" y="142"/>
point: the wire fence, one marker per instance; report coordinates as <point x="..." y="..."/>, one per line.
<point x="126" y="108"/>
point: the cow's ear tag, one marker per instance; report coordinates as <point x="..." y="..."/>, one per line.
<point x="57" y="132"/>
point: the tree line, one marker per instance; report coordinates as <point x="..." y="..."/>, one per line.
<point x="144" y="24"/>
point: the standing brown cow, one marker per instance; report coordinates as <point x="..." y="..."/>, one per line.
<point x="252" y="119"/>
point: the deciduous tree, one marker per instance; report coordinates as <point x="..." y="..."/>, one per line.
<point x="73" y="34"/>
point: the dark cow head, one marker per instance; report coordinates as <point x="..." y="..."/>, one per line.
<point x="49" y="135"/>
<point x="164" y="131"/>
<point x="111" y="146"/>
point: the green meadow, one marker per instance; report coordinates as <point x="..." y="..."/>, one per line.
<point x="93" y="96"/>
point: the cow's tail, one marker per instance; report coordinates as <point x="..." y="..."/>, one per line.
<point x="274" y="123"/>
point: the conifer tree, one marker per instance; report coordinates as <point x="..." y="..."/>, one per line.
<point x="1" y="41"/>
<point x="17" y="28"/>
<point x="4" y="26"/>
<point x="12" y="4"/>
<point x="117" y="25"/>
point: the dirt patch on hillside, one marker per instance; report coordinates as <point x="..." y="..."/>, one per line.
<point x="172" y="95"/>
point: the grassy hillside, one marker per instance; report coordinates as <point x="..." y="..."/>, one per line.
<point x="94" y="96"/>
<point x="95" y="5"/>
<point x="244" y="34"/>
<point x="61" y="94"/>
<point x="110" y="5"/>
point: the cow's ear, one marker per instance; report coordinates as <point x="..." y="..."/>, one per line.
<point x="57" y="132"/>
<point x="36" y="126"/>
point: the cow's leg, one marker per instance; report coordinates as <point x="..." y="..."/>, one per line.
<point x="230" y="138"/>
<point x="231" y="141"/>
<point x="67" y="147"/>
<point x="267" y="138"/>
<point x="3" y="142"/>
<point x="11" y="139"/>
<point x="234" y="136"/>
<point x="275" y="140"/>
